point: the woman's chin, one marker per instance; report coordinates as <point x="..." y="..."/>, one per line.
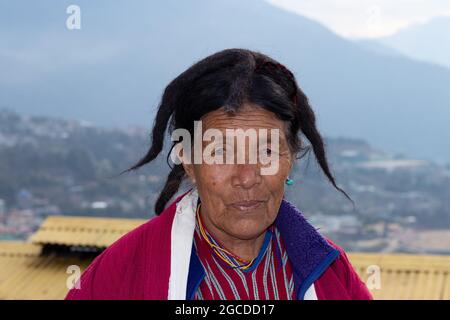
<point x="248" y="233"/>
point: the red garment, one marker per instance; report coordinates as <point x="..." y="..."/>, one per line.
<point x="137" y="266"/>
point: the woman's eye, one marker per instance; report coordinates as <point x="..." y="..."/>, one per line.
<point x="267" y="151"/>
<point x="219" y="151"/>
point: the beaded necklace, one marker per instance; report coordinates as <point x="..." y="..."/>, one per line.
<point x="228" y="257"/>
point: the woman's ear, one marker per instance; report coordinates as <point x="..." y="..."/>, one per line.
<point x="189" y="169"/>
<point x="292" y="162"/>
<point x="187" y="166"/>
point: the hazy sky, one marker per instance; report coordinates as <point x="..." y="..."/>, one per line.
<point x="367" y="18"/>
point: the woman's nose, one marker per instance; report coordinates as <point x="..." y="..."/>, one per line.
<point x="246" y="175"/>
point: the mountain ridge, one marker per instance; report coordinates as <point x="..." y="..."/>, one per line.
<point x="112" y="72"/>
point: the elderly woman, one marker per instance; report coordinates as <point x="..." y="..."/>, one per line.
<point x="232" y="235"/>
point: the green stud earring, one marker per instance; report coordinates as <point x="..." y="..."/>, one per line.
<point x="289" y="182"/>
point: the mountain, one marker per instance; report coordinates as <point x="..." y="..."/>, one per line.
<point x="378" y="47"/>
<point x="56" y="166"/>
<point x="429" y="41"/>
<point x="112" y="71"/>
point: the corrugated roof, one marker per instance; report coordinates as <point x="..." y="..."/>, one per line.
<point x="26" y="274"/>
<point x="83" y="231"/>
<point x="19" y="248"/>
<point x="405" y="276"/>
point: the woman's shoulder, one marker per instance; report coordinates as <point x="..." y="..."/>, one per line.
<point x="121" y="268"/>
<point x="346" y="283"/>
<point x="141" y="238"/>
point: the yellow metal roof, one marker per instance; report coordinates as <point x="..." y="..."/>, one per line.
<point x="18" y="248"/>
<point x="406" y="276"/>
<point x="26" y="274"/>
<point x="83" y="231"/>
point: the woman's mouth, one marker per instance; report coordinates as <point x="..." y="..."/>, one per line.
<point x="246" y="205"/>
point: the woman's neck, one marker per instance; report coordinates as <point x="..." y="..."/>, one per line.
<point x="246" y="249"/>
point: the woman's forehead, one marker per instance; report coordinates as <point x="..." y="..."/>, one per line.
<point x="248" y="116"/>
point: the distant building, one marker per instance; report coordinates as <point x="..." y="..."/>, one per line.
<point x="393" y="164"/>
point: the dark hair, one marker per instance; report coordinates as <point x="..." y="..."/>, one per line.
<point x="229" y="79"/>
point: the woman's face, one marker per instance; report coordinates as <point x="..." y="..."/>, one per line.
<point x="237" y="200"/>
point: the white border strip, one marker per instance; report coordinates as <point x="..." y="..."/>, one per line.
<point x="310" y="293"/>
<point x="182" y="235"/>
